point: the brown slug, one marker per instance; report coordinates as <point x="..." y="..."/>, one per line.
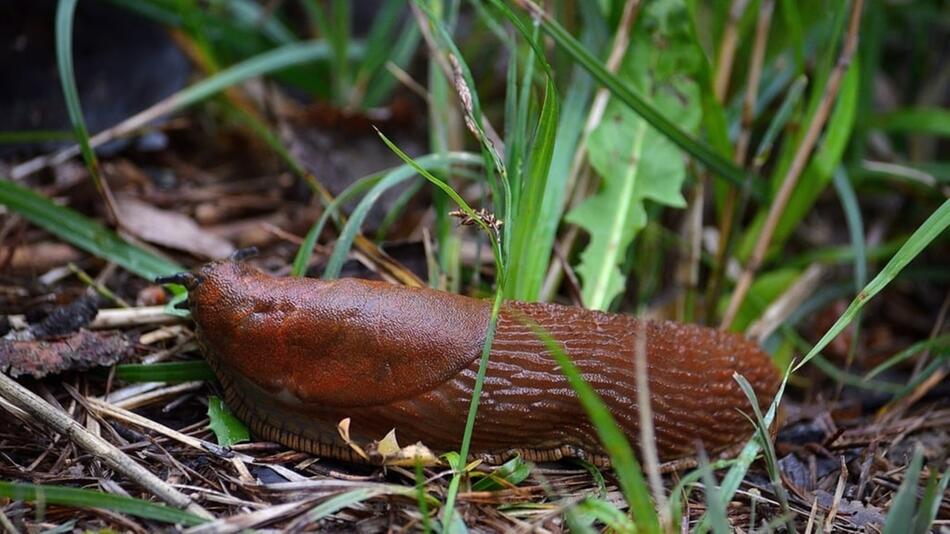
<point x="295" y="356"/>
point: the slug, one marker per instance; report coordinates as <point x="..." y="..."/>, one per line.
<point x="295" y="356"/>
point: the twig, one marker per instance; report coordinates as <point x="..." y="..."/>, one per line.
<point x="727" y="49"/>
<point x="98" y="447"/>
<point x="731" y="212"/>
<point x="781" y="308"/>
<point x="798" y="165"/>
<point x="651" y="459"/>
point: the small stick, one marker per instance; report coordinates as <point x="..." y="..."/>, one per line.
<point x="727" y="49"/>
<point x="95" y="445"/>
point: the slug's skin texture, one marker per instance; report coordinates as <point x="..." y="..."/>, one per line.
<point x="297" y="355"/>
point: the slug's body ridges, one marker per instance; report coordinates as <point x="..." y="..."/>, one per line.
<point x="296" y="356"/>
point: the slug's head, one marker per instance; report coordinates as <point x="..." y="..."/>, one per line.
<point x="213" y="271"/>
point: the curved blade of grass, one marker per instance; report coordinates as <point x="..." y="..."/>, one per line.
<point x="84" y="233"/>
<point x="67" y="78"/>
<point x="703" y="153"/>
<point x="393" y="177"/>
<point x="305" y="252"/>
<point x="927" y="232"/>
<point x="715" y="507"/>
<point x="259" y="65"/>
<point x="939" y="344"/>
<point x="171" y="372"/>
<point x="930" y="503"/>
<point x="732" y="480"/>
<point x="226" y="427"/>
<point x="771" y="459"/>
<point x="83" y="498"/>
<point x="452" y="492"/>
<point x="625" y="464"/>
<point x="901" y="514"/>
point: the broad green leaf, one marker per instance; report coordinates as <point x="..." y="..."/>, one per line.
<point x="635" y="161"/>
<point x="227" y="428"/>
<point x="513" y="472"/>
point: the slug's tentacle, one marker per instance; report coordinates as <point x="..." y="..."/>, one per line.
<point x="187" y="279"/>
<point x="296" y="356"/>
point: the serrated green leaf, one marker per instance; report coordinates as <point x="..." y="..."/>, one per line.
<point x="635" y="161"/>
<point x="227" y="428"/>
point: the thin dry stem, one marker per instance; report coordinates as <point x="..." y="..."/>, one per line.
<point x="729" y="211"/>
<point x="786" y="304"/>
<point x="798" y="165"/>
<point x="95" y="445"/>
<point x="651" y="458"/>
<point x="727" y="49"/>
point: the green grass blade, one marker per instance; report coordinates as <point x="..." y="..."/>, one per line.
<point x="923" y="120"/>
<point x="67" y="78"/>
<point x="768" y="448"/>
<point x="395" y="176"/>
<point x="703" y="153"/>
<point x="927" y="232"/>
<point x="939" y="344"/>
<point x="529" y="257"/>
<point x="83" y="498"/>
<point x="624" y="462"/>
<point x="512" y="473"/>
<point x="930" y="503"/>
<point x="259" y="65"/>
<point x="84" y="233"/>
<point x="732" y="480"/>
<point x="253" y="15"/>
<point x="305" y="252"/>
<point x="904" y="503"/>
<point x="715" y="507"/>
<point x="778" y="122"/>
<point x="35" y="136"/>
<point x="172" y="372"/>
